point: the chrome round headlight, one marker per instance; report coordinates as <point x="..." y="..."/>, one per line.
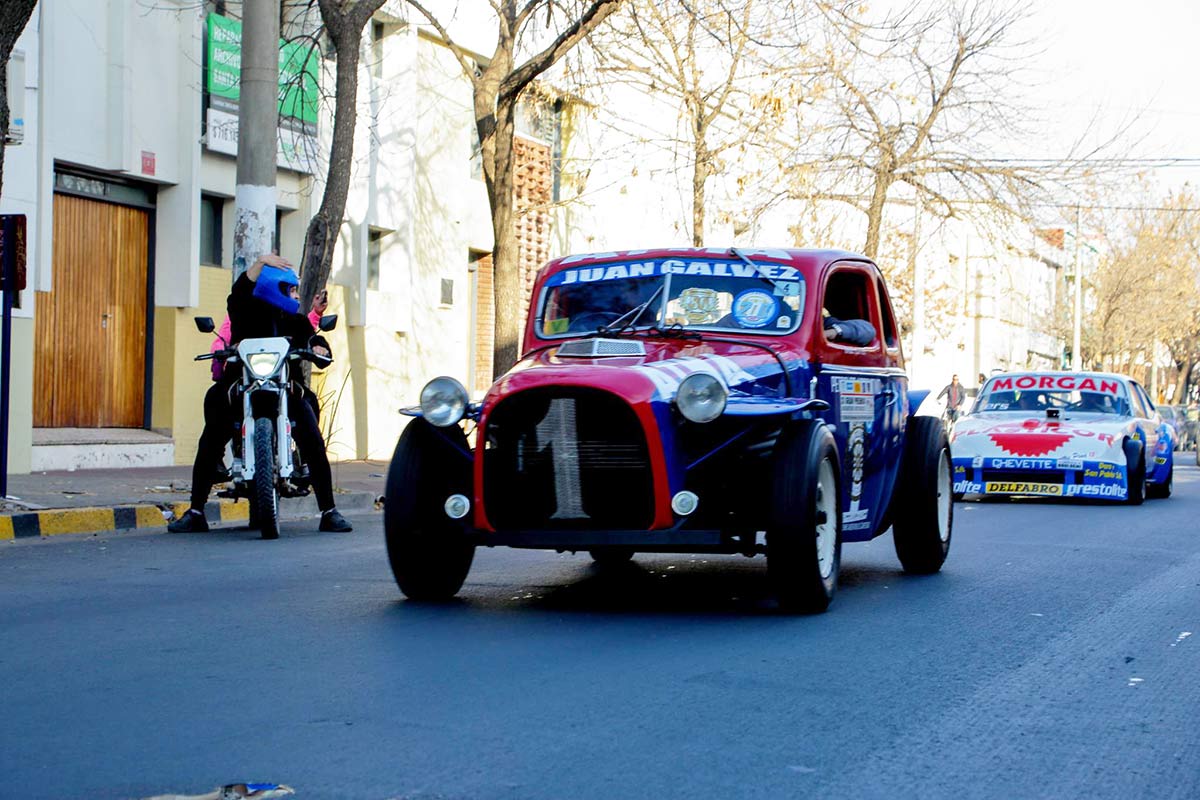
<point x="701" y="397"/>
<point x="443" y="401"/>
<point x="262" y="364"/>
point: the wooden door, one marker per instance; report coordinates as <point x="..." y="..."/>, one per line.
<point x="90" y="342"/>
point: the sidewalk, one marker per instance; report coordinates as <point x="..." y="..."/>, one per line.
<point x="87" y="501"/>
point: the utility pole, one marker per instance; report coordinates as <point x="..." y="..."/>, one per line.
<point x="918" y="278"/>
<point x="258" y="128"/>
<point x="1076" y="356"/>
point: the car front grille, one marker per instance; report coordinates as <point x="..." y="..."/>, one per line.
<point x="1022" y="476"/>
<point x="566" y="458"/>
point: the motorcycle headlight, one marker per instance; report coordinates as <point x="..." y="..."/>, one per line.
<point x="443" y="401"/>
<point x="262" y="364"/>
<point x="701" y="397"/>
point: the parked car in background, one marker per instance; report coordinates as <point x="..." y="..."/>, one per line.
<point x="1171" y="415"/>
<point x="1189" y="428"/>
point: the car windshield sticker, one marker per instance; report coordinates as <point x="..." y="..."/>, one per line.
<point x="700" y="306"/>
<point x="788" y="276"/>
<point x="1060" y="382"/>
<point x="754" y="308"/>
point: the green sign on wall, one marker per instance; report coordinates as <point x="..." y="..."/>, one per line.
<point x="298" y="64"/>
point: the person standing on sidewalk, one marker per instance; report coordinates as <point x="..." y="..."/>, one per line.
<point x="954" y="395"/>
<point x="251" y="317"/>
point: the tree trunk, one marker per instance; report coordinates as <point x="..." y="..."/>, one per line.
<point x="508" y="291"/>
<point x="699" y="180"/>
<point x="345" y="26"/>
<point x="883" y="182"/>
<point x="14" y="15"/>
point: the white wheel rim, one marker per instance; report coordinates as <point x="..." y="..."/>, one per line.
<point x="827" y="509"/>
<point x="945" y="498"/>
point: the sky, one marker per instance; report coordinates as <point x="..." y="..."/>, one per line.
<point x="1123" y="59"/>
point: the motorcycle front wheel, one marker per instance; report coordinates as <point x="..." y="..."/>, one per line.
<point x="265" y="501"/>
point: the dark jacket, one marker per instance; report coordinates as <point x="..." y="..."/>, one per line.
<point x="251" y="318"/>
<point x="856" y="332"/>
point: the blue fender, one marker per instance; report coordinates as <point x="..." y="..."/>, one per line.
<point x="915" y="398"/>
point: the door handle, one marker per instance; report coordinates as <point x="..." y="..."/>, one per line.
<point x="104" y="320"/>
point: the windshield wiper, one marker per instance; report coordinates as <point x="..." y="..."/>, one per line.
<point x="780" y="288"/>
<point x="616" y="329"/>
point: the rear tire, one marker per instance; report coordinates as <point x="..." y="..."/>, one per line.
<point x="429" y="553"/>
<point x="804" y="535"/>
<point x="1161" y="491"/>
<point x="924" y="518"/>
<point x="266" y="496"/>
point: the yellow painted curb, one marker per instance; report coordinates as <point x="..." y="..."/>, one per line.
<point x="6" y="529"/>
<point x="149" y="517"/>
<point x="75" y="520"/>
<point x="239" y="509"/>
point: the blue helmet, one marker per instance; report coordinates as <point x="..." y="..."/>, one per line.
<point x="274" y="285"/>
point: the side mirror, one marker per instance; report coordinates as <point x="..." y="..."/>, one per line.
<point x="205" y="324"/>
<point x="328" y="322"/>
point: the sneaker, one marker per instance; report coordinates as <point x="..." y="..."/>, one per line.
<point x="332" y="520"/>
<point x="192" y="521"/>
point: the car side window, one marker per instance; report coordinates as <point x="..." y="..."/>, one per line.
<point x="887" y="320"/>
<point x="1146" y="401"/>
<point x="1140" y="402"/>
<point x="848" y="297"/>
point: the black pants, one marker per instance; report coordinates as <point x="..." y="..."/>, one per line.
<point x="222" y="421"/>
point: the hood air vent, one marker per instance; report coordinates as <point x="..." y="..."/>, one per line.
<point x="601" y="348"/>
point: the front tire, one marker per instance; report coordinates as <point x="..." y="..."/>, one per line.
<point x="1135" y="477"/>
<point x="265" y="502"/>
<point x="925" y="498"/>
<point x="804" y="536"/>
<point x="429" y="553"/>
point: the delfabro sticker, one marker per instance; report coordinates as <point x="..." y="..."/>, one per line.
<point x="754" y="308"/>
<point x="1053" y="489"/>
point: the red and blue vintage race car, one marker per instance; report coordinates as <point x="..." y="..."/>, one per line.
<point x="1063" y="434"/>
<point x="682" y="401"/>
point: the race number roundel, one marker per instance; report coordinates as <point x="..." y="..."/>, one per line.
<point x="754" y="308"/>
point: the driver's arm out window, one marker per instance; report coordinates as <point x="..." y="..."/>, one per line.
<point x="848" y="297"/>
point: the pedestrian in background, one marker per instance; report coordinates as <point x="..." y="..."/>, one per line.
<point x="954" y="395"/>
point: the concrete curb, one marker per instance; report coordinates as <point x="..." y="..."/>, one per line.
<point x="148" y="517"/>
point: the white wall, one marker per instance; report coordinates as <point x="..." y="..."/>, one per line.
<point x="411" y="181"/>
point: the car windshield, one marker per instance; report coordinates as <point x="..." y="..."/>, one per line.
<point x="689" y="295"/>
<point x="1065" y="393"/>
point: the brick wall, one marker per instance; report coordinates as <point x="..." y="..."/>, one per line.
<point x="532" y="192"/>
<point x="485" y="320"/>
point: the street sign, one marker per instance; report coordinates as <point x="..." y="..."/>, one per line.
<point x="12" y="245"/>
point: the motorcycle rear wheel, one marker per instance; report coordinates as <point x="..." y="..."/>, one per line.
<point x="265" y="502"/>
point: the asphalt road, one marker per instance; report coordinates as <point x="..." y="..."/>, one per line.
<point x="1056" y="656"/>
